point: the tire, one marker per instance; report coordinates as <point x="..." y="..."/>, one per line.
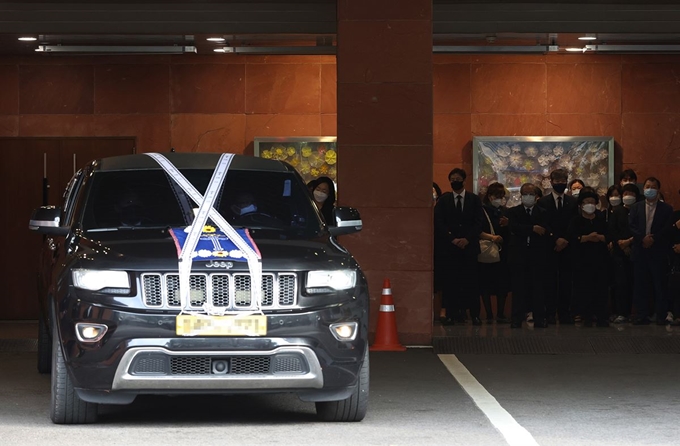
<point x="353" y="408"/>
<point x="44" y="347"/>
<point x="65" y="405"/>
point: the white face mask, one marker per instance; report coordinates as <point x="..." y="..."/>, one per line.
<point x="528" y="200"/>
<point x="629" y="199"/>
<point x="588" y="208"/>
<point x="320" y="196"/>
<point x="497" y="202"/>
<point x="615" y="201"/>
<point x="575" y="192"/>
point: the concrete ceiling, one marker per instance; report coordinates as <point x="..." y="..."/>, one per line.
<point x="312" y="24"/>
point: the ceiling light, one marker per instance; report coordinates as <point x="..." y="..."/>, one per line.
<point x="215" y="39"/>
<point x="588" y="37"/>
<point x="28" y="39"/>
<point x="226" y="49"/>
<point x="122" y="49"/>
<point x="576" y="50"/>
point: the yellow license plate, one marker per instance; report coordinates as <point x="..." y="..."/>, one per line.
<point x="204" y="325"/>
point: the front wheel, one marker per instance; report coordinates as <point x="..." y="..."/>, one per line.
<point x="353" y="408"/>
<point x="65" y="405"/>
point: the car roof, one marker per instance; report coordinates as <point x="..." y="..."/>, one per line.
<point x="188" y="161"/>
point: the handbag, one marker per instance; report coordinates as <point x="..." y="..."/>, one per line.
<point x="489" y="252"/>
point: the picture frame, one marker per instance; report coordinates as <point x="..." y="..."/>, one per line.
<point x="312" y="156"/>
<point x="515" y="160"/>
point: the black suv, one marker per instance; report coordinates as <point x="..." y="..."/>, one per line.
<point x="114" y="324"/>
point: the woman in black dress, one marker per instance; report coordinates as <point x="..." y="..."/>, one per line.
<point x="588" y="239"/>
<point x="494" y="277"/>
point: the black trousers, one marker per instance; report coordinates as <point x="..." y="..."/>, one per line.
<point x="460" y="287"/>
<point x="650" y="272"/>
<point x="559" y="283"/>
<point x="623" y="284"/>
<point x="528" y="288"/>
<point x="590" y="290"/>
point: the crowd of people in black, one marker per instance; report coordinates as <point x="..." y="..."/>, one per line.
<point x="569" y="256"/>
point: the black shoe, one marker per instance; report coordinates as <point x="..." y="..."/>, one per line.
<point x="502" y="320"/>
<point x="641" y="321"/>
<point x="541" y="324"/>
<point x="447" y="321"/>
<point x="516" y="324"/>
<point x="476" y="321"/>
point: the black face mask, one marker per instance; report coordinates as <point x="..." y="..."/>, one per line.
<point x="559" y="187"/>
<point x="456" y="185"/>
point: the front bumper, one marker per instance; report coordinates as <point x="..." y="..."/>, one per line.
<point x="141" y="354"/>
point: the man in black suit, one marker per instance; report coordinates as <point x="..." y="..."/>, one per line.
<point x="458" y="223"/>
<point x="561" y="208"/>
<point x="530" y="242"/>
<point x="648" y="221"/>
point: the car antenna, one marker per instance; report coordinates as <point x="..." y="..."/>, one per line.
<point x="172" y="150"/>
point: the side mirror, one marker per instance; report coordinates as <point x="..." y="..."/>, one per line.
<point x="45" y="220"/>
<point x="347" y="221"/>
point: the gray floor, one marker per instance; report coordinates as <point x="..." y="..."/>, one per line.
<point x="561" y="399"/>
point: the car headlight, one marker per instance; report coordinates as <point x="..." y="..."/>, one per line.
<point x="325" y="281"/>
<point x="95" y="280"/>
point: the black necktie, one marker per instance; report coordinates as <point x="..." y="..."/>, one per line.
<point x="529" y="212"/>
<point x="459" y="204"/>
<point x="559" y="203"/>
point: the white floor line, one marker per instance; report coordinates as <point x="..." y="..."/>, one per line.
<point x="514" y="434"/>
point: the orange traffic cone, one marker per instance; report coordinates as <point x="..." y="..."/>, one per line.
<point x="386" y="337"/>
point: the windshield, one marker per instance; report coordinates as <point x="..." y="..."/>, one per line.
<point x="274" y="202"/>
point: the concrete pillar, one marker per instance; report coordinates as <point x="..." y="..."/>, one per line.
<point x="384" y="72"/>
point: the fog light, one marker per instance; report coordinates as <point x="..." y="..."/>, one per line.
<point x="344" y="331"/>
<point x="90" y="332"/>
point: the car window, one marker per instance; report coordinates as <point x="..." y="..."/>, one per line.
<point x="265" y="201"/>
<point x="70" y="194"/>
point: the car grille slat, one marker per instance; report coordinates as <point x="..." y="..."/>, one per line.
<point x="231" y="291"/>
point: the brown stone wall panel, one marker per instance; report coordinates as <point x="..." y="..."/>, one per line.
<point x="9" y="98"/>
<point x="329" y="89"/>
<point x="508" y="59"/>
<point x="651" y="138"/>
<point x="584" y="125"/>
<point x="651" y="88"/>
<point x="584" y="88"/>
<point x="255" y="59"/>
<point x="451" y="59"/>
<point x="329" y="125"/>
<point x="152" y="132"/>
<point x="56" y="89"/>
<point x="56" y="125"/>
<point x="208" y="88"/>
<point x="366" y="171"/>
<point x="399" y="114"/>
<point x="222" y="59"/>
<point x="588" y="58"/>
<point x="208" y="133"/>
<point x="452" y="138"/>
<point x="451" y="87"/>
<point x="509" y="125"/>
<point x="132" y="89"/>
<point x="384" y="10"/>
<point x="282" y="125"/>
<point x="9" y="125"/>
<point x="412" y="295"/>
<point x="385" y="51"/>
<point x="508" y="88"/>
<point x="281" y="88"/>
<point x="398" y="239"/>
<point x="649" y="58"/>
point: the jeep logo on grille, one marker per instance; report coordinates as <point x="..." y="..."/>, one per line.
<point x="214" y="264"/>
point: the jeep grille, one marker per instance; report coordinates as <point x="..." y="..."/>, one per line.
<point x="230" y="291"/>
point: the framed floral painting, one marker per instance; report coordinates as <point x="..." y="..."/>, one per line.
<point x="514" y="161"/>
<point x="313" y="157"/>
